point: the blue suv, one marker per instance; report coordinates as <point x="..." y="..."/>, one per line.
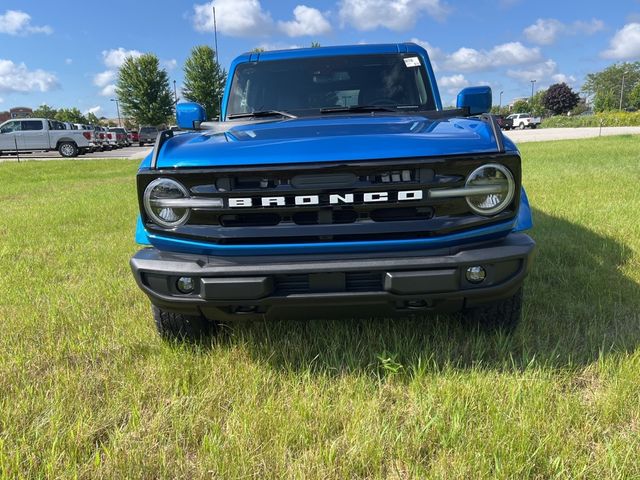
<point x="334" y="183"/>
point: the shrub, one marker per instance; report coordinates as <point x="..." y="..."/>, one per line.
<point x="608" y="119"/>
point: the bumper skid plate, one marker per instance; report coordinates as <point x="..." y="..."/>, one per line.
<point x="380" y="283"/>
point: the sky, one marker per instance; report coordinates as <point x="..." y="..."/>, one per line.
<point x="67" y="53"/>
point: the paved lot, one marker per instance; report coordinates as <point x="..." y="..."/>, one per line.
<point x="518" y="136"/>
<point x="130" y="152"/>
<point x="544" y="134"/>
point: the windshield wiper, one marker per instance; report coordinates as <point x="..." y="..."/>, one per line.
<point x="262" y="113"/>
<point x="359" y="108"/>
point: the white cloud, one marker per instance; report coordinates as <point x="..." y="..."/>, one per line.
<point x="18" y="78"/>
<point x="104" y="78"/>
<point x="454" y="81"/>
<point x="547" y="30"/>
<point x="472" y="60"/>
<point x="398" y="15"/>
<point x="453" y="84"/>
<point x="277" y="46"/>
<point x="1" y="100"/>
<point x="68" y="61"/>
<point x="544" y="31"/>
<point x="307" y="21"/>
<point x="539" y="72"/>
<point x="113" y="59"/>
<point x="562" y="78"/>
<point x="625" y="44"/>
<point x="170" y="64"/>
<point x="108" y="91"/>
<point x="16" y="22"/>
<point x="95" y="110"/>
<point x="238" y="18"/>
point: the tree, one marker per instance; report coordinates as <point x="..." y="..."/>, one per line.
<point x="634" y="97"/>
<point x="44" y="111"/>
<point x="204" y="80"/>
<point x="143" y="90"/>
<point x="560" y="99"/>
<point x="315" y="45"/>
<point x="536" y="104"/>
<point x="606" y="86"/>
<point x="520" y="106"/>
<point x="71" y="115"/>
<point x="92" y="118"/>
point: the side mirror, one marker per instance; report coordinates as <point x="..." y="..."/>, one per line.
<point x="477" y="99"/>
<point x="189" y="116"/>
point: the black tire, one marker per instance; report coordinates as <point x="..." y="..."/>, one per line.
<point x="141" y="144"/>
<point x="501" y="315"/>
<point x="68" y="149"/>
<point x="533" y="126"/>
<point x="177" y="326"/>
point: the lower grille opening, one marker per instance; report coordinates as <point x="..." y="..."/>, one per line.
<point x="399" y="214"/>
<point x="250" y="220"/>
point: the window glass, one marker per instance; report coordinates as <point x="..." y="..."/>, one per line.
<point x="303" y="86"/>
<point x="10" y="127"/>
<point x="31" y="125"/>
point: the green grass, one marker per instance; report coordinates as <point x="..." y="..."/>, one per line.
<point x="87" y="389"/>
<point x="605" y="119"/>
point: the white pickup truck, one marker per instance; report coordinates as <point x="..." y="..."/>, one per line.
<point x="41" y="134"/>
<point x="523" y="120"/>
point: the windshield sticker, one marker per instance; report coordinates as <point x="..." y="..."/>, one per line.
<point x="412" y="62"/>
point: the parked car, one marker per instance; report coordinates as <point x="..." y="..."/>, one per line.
<point x="41" y="134"/>
<point x="133" y="136"/>
<point x="121" y="136"/>
<point x="295" y="204"/>
<point x="523" y="120"/>
<point x="147" y="135"/>
<point x="96" y="143"/>
<point x="505" y="123"/>
<point x="112" y="139"/>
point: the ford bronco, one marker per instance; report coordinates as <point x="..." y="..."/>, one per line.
<point x="334" y="183"/>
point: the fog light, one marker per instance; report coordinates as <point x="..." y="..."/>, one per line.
<point x="185" y="284"/>
<point x="476" y="274"/>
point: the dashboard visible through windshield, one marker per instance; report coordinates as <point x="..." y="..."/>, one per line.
<point x="305" y="86"/>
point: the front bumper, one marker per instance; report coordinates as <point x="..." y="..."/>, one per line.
<point x="377" y="284"/>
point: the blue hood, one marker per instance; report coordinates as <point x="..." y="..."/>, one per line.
<point x="328" y="139"/>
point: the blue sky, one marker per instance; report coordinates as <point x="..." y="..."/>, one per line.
<point x="66" y="53"/>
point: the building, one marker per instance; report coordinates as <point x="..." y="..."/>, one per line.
<point x="17" y="112"/>
<point x="21" y="112"/>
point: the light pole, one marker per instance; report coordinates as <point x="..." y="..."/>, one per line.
<point x="532" y="84"/>
<point x="118" y="109"/>
<point x="175" y="92"/>
<point x="622" y="89"/>
<point x="500" y="105"/>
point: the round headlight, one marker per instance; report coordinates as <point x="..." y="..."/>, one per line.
<point x="158" y="203"/>
<point x="495" y="186"/>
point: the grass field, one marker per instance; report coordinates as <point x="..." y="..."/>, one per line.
<point x="87" y="389"/>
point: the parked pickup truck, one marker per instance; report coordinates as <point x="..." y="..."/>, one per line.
<point x="522" y="121"/>
<point x="147" y="135"/>
<point x="335" y="184"/>
<point x="41" y="134"/>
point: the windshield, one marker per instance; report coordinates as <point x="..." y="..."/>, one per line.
<point x="304" y="86"/>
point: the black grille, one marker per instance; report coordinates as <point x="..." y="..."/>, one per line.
<point x="352" y="282"/>
<point x="326" y="222"/>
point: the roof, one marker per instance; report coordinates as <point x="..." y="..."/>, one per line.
<point x="335" y="50"/>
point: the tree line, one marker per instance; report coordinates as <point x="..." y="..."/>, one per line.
<point x="145" y="94"/>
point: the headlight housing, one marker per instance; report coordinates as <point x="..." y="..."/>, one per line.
<point x="496" y="188"/>
<point x="157" y="199"/>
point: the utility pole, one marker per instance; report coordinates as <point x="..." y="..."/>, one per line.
<point x="622" y="89"/>
<point x="175" y="93"/>
<point x="118" y="109"/>
<point x="215" y="39"/>
<point x="532" y="84"/>
<point x="500" y="105"/>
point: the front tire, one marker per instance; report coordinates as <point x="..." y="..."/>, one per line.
<point x="141" y="144"/>
<point x="501" y="315"/>
<point x="68" y="149"/>
<point x="177" y="326"/>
